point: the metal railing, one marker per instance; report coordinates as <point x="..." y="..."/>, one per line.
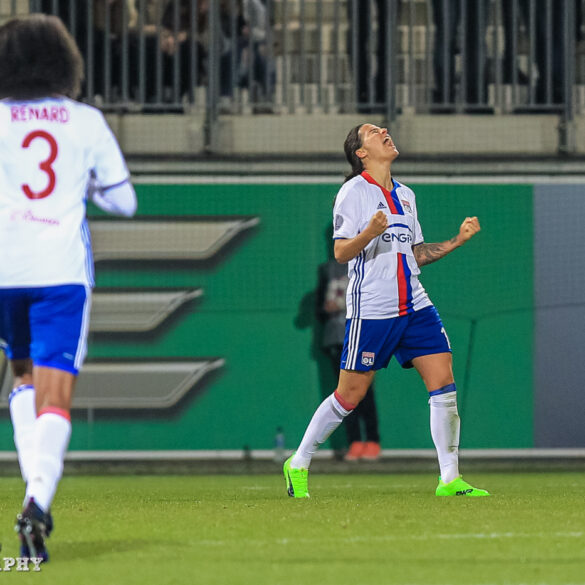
<point x="221" y="57"/>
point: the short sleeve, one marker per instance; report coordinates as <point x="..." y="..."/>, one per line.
<point x="346" y="214"/>
<point x="109" y="165"/>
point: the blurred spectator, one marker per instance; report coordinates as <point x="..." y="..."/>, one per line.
<point x="254" y="63"/>
<point x="175" y="42"/>
<point x="176" y="39"/>
<point x="548" y="43"/>
<point x="361" y="18"/>
<point x="234" y="32"/>
<point x="511" y="30"/>
<point x="108" y="26"/>
<point x="108" y="30"/>
<point x="470" y="16"/>
<point x="550" y="48"/>
<point x="330" y="307"/>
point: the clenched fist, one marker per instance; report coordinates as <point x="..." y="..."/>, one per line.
<point x="378" y="224"/>
<point x="468" y="229"/>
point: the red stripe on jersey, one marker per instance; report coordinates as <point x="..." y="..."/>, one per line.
<point x="387" y="195"/>
<point x="402" y="286"/>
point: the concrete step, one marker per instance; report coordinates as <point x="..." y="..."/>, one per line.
<point x="413" y="11"/>
<point x="11" y="8"/>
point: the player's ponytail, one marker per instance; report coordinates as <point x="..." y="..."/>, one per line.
<point x="352" y="143"/>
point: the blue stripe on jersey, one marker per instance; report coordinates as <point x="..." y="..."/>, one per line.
<point x="82" y="340"/>
<point x="86" y="237"/>
<point x="403" y="225"/>
<point x="353" y="343"/>
<point x="356" y="292"/>
<point x="104" y="189"/>
<point x="407" y="275"/>
<point x="395" y="199"/>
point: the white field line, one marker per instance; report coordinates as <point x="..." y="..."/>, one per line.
<point x="402" y="537"/>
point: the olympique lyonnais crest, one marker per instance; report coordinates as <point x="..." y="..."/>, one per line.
<point x="368" y="358"/>
<point x="406" y="205"/>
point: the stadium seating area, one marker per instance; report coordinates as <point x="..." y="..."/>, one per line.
<point x="313" y="102"/>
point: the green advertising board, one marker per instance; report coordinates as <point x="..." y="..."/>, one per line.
<point x="256" y="314"/>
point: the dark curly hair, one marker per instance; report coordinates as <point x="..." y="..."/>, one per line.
<point x="352" y="143"/>
<point x="38" y="58"/>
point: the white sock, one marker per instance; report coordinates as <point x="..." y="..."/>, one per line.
<point x="445" y="425"/>
<point x="23" y="413"/>
<point x="51" y="438"/>
<point x="325" y="420"/>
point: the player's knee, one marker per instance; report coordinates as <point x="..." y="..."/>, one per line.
<point x="353" y="393"/>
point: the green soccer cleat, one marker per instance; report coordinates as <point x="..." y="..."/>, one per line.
<point x="458" y="487"/>
<point x="296" y="480"/>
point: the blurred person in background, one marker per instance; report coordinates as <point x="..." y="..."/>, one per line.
<point x="176" y="38"/>
<point x="550" y="58"/>
<point x="450" y="26"/>
<point x="55" y="153"/>
<point x="371" y="64"/>
<point x="548" y="42"/>
<point x="254" y="63"/>
<point x="331" y="308"/>
<point x="108" y="30"/>
<point x="510" y="64"/>
<point x="376" y="231"/>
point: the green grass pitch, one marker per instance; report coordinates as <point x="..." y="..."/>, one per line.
<point x="355" y="530"/>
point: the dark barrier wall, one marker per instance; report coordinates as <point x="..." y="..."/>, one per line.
<point x="257" y="313"/>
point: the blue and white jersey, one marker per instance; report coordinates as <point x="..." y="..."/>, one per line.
<point x="383" y="278"/>
<point x="48" y="150"/>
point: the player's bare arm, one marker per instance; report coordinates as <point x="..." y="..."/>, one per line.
<point x="346" y="250"/>
<point x="427" y="253"/>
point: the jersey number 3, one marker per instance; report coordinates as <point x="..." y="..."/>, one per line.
<point x="44" y="165"/>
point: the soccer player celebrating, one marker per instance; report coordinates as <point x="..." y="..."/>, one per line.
<point x="51" y="150"/>
<point x="376" y="230"/>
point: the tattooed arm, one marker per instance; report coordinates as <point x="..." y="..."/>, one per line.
<point x="427" y="253"/>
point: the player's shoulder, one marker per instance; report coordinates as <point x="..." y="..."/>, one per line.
<point x="351" y="190"/>
<point x="4" y="113"/>
<point x="86" y="111"/>
<point x="404" y="190"/>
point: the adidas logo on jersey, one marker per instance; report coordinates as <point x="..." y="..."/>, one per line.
<point x="381" y="206"/>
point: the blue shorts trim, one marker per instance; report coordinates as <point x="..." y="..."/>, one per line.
<point x="58" y="366"/>
<point x="46" y="324"/>
<point x="370" y="343"/>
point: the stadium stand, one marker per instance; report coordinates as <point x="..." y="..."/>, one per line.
<point x="315" y="99"/>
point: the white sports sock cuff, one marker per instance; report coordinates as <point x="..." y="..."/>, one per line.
<point x="444" y="400"/>
<point x="337" y="406"/>
<point x="19" y="389"/>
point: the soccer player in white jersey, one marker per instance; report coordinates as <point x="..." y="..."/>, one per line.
<point x="376" y="230"/>
<point x="51" y="150"/>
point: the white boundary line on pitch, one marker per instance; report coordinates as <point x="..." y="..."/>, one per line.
<point x="268" y="454"/>
<point x="161" y="179"/>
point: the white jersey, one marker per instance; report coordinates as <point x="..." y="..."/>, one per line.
<point x="49" y="148"/>
<point x="383" y="278"/>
